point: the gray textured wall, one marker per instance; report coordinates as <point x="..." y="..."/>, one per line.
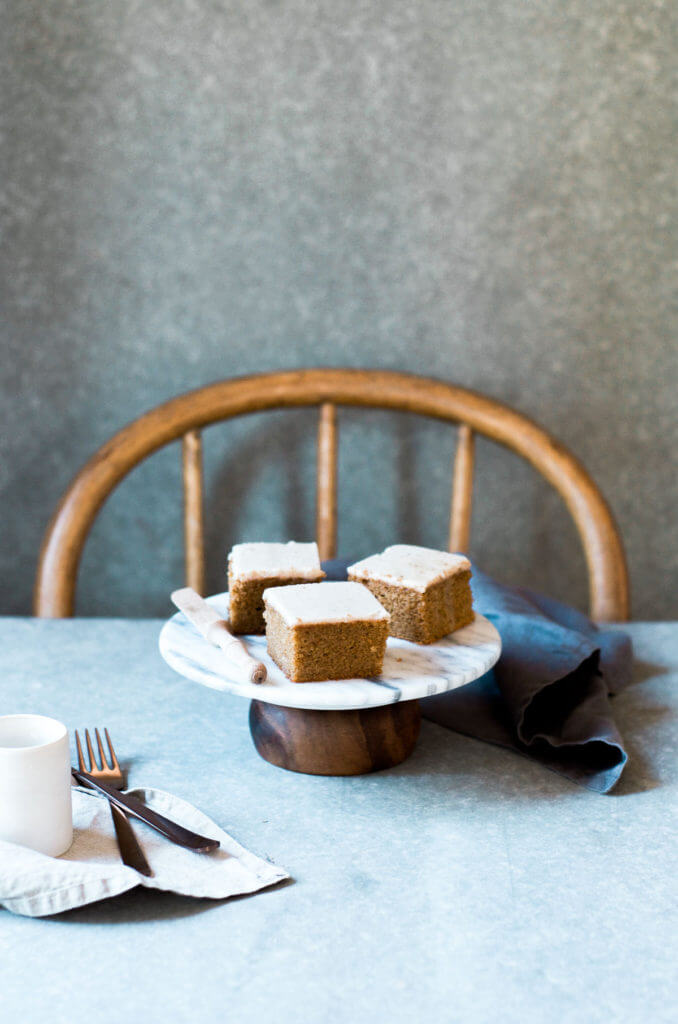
<point x="484" y="192"/>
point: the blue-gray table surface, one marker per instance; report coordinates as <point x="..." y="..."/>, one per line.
<point x="468" y="884"/>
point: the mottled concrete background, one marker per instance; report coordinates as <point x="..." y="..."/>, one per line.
<point x="483" y="192"/>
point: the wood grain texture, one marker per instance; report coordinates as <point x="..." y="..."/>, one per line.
<point x="335" y="742"/>
<point x="194" y="533"/>
<point x="462" y="491"/>
<point x="326" y="486"/>
<point x="73" y="518"/>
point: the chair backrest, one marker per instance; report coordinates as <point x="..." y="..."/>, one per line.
<point x="184" y="416"/>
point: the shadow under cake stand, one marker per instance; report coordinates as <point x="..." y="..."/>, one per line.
<point x="342" y="727"/>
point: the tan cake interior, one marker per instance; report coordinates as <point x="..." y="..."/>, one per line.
<point x="308" y="652"/>
<point x="246" y="602"/>
<point x="425" y="617"/>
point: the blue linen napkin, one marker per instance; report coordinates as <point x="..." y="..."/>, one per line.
<point x="548" y="695"/>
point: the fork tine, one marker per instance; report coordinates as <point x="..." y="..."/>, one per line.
<point x="116" y="766"/>
<point x="81" y="757"/>
<point x="102" y="754"/>
<point x="90" y="750"/>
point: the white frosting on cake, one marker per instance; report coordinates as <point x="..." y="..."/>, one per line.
<point x="407" y="565"/>
<point x="261" y="561"/>
<point x="324" y="602"/>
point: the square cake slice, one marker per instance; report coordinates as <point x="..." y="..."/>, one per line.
<point x="426" y="592"/>
<point x="325" y="631"/>
<point x="252" y="568"/>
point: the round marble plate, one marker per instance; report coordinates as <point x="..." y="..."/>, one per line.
<point x="410" y="670"/>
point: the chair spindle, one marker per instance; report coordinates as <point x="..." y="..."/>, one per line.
<point x="326" y="487"/>
<point x="462" y="491"/>
<point x="194" y="546"/>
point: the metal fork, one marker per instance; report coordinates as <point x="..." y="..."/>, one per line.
<point x="107" y="769"/>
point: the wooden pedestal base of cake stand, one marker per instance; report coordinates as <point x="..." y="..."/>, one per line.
<point x="335" y="742"/>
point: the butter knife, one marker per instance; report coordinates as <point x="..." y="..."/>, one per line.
<point x="165" y="826"/>
<point x="216" y="630"/>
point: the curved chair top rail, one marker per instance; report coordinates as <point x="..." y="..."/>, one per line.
<point x="73" y="518"/>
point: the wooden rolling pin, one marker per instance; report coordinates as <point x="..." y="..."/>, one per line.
<point x="215" y="629"/>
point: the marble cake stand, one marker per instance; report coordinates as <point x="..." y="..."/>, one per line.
<point x="347" y="727"/>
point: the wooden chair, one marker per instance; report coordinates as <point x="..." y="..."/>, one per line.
<point x="184" y="417"/>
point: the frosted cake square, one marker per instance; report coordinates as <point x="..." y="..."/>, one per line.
<point x="325" y="631"/>
<point x="426" y="592"/>
<point x="252" y="568"/>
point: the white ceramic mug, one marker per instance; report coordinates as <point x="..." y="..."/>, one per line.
<point x="35" y="783"/>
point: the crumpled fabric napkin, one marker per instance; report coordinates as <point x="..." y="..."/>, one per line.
<point x="547" y="696"/>
<point x="35" y="885"/>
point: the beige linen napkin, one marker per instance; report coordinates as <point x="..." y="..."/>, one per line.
<point x="35" y="885"/>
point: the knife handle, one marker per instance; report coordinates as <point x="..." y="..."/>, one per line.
<point x="167" y="828"/>
<point x="220" y="635"/>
